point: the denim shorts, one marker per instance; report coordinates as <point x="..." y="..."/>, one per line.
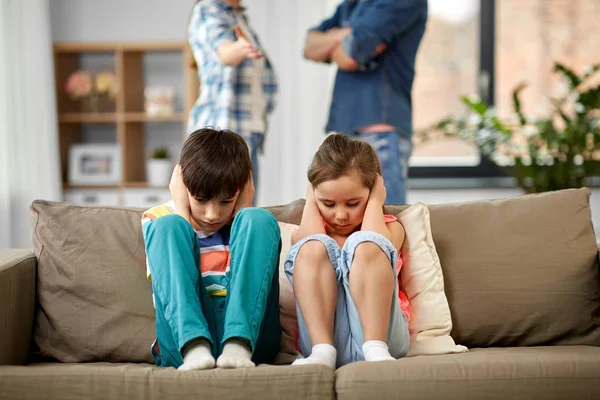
<point x="348" y="334"/>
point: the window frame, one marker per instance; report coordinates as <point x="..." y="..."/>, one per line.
<point x="485" y="85"/>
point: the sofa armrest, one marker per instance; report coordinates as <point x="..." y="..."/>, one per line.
<point x="17" y="301"/>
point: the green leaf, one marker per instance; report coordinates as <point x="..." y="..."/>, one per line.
<point x="558" y="108"/>
<point x="478" y="106"/>
<point x="517" y="103"/>
<point x="571" y="76"/>
<point x="591" y="71"/>
<point x="590" y="99"/>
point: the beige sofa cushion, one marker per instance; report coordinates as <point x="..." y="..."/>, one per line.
<point x="520" y="271"/>
<point x="423" y="283"/>
<point x="549" y="373"/>
<point x="95" y="303"/>
<point x="287" y="300"/>
<point x="100" y="381"/>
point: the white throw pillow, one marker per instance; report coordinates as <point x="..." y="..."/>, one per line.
<point x="423" y="283"/>
<point x="287" y="301"/>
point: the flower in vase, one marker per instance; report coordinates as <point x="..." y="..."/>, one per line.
<point x="106" y="83"/>
<point x="79" y="85"/>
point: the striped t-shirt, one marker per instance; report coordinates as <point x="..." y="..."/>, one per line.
<point x="214" y="252"/>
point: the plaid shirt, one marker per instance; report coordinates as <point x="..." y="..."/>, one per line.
<point x="225" y="93"/>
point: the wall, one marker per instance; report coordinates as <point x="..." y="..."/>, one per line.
<point x="296" y="126"/>
<point x="108" y="20"/>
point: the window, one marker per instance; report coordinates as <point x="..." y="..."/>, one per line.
<point x="455" y="58"/>
<point x="531" y="36"/>
<point x="489" y="47"/>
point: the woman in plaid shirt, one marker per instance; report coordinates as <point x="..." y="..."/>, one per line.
<point x="238" y="84"/>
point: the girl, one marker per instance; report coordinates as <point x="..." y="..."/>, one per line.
<point x="238" y="82"/>
<point x="344" y="261"/>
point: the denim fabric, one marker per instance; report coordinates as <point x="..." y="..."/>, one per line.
<point x="380" y="91"/>
<point x="393" y="150"/>
<point x="348" y="334"/>
<point x="185" y="311"/>
<point x="255" y="145"/>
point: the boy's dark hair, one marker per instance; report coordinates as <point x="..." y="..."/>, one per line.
<point x="215" y="164"/>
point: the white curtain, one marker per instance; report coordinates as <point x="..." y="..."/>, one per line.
<point x="297" y="125"/>
<point x="29" y="158"/>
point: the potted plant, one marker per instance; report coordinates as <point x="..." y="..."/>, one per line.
<point x="159" y="168"/>
<point x="555" y="151"/>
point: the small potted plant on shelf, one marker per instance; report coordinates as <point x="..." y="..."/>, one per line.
<point x="159" y="168"/>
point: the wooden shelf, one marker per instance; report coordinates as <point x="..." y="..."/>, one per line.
<point x="76" y="117"/>
<point x="105" y="47"/>
<point x="87" y="117"/>
<point x="143" y="117"/>
<point x="124" y="115"/>
<point x="67" y="186"/>
<point x="143" y="185"/>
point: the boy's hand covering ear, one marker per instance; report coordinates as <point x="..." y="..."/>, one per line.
<point x="246" y="196"/>
<point x="179" y="194"/>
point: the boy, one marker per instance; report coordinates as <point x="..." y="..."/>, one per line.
<point x="213" y="261"/>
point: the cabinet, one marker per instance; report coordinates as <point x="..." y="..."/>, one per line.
<point x="122" y="121"/>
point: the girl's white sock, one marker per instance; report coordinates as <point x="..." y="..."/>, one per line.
<point x="322" y="353"/>
<point x="376" y="350"/>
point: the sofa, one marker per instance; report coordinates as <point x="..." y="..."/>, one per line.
<point x="521" y="277"/>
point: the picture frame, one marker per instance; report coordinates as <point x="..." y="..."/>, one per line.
<point x="95" y="164"/>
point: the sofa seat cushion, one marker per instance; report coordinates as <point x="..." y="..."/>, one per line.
<point x="104" y="381"/>
<point x="561" y="372"/>
<point x="520" y="271"/>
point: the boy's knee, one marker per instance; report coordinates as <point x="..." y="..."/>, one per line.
<point x="257" y="216"/>
<point x="169" y="223"/>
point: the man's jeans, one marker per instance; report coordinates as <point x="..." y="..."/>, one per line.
<point x="393" y="149"/>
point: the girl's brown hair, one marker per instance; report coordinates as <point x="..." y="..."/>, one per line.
<point x="338" y="155"/>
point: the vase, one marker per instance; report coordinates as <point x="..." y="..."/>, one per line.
<point x="158" y="172"/>
<point x="91" y="104"/>
<point x="538" y="179"/>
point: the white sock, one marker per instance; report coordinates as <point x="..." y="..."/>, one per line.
<point x="236" y="354"/>
<point x="376" y="350"/>
<point x="198" y="357"/>
<point x="322" y="353"/>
